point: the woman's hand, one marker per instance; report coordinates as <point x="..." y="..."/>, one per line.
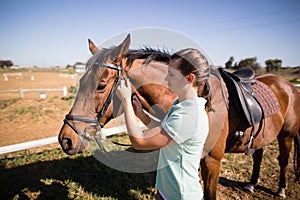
<point x="124" y="90"/>
<point x="137" y="106"/>
<point x="124" y="93"/>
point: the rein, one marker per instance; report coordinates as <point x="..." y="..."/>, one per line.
<point x="96" y="122"/>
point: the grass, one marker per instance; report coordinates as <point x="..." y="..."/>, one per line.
<point x="31" y="112"/>
<point x="7" y="103"/>
<point x="36" y="110"/>
<point x="54" y="175"/>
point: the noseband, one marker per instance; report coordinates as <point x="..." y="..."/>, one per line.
<point x="96" y="121"/>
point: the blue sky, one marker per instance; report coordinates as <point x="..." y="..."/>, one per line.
<point x="55" y="33"/>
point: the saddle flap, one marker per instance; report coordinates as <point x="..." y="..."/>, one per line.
<point x="251" y="107"/>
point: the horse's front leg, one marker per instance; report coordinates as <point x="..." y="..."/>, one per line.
<point x="257" y="158"/>
<point x="210" y="168"/>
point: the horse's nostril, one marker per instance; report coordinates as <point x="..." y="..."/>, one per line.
<point x="66" y="143"/>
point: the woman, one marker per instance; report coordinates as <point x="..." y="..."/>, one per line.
<point x="182" y="134"/>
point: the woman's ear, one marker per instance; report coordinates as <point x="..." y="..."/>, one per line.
<point x="191" y="77"/>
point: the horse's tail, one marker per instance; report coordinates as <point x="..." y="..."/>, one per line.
<point x="297" y="156"/>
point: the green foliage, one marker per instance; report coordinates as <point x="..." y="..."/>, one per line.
<point x="6" y="63"/>
<point x="70" y="98"/>
<point x="229" y="63"/>
<point x="72" y="89"/>
<point x="273" y="64"/>
<point x="246" y="63"/>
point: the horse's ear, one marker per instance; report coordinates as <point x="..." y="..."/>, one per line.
<point x="92" y="47"/>
<point x="122" y="49"/>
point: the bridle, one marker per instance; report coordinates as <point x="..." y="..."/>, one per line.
<point x="96" y="122"/>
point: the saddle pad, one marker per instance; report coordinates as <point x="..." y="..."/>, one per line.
<point x="266" y="98"/>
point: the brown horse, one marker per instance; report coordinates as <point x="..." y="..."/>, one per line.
<point x="146" y="69"/>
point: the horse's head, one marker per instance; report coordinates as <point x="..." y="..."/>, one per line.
<point x="92" y="106"/>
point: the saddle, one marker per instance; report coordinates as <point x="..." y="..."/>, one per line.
<point x="239" y="86"/>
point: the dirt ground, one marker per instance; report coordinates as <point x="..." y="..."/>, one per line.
<point x="32" y="118"/>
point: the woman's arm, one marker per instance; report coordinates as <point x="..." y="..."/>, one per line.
<point x="152" y="139"/>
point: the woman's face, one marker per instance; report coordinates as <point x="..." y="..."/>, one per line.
<point x="176" y="81"/>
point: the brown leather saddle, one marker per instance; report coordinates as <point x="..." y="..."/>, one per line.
<point x="242" y="98"/>
<point x="239" y="86"/>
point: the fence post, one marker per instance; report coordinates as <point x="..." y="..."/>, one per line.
<point x="65" y="91"/>
<point x="21" y="93"/>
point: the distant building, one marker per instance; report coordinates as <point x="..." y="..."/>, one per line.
<point x="79" y="67"/>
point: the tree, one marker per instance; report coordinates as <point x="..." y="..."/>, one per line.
<point x="273" y="64"/>
<point x="6" y="63"/>
<point x="248" y="63"/>
<point x="229" y="63"/>
<point x="69" y="67"/>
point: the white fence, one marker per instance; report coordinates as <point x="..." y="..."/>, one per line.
<point x="11" y="74"/>
<point x="51" y="140"/>
<point x="69" y="75"/>
<point x="21" y="91"/>
<point x="27" y="145"/>
<point x="15" y="74"/>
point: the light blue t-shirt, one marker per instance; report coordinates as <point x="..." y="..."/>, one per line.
<point x="177" y="173"/>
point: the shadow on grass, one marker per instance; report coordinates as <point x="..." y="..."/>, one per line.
<point x="238" y="185"/>
<point x="68" y="177"/>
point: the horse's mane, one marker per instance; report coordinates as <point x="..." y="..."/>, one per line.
<point x="149" y="54"/>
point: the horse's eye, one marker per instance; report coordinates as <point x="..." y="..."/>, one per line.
<point x="101" y="87"/>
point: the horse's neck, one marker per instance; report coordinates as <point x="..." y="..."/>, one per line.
<point x="154" y="72"/>
<point x="151" y="87"/>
